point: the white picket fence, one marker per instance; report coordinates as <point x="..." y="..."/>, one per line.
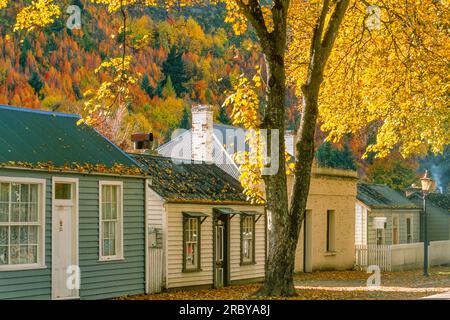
<point x="401" y="256"/>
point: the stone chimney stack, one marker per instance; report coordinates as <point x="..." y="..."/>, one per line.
<point x="289" y="140"/>
<point x="202" y="133"/>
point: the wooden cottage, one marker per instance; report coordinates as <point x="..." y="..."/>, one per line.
<point x="438" y="214"/>
<point x="201" y="229"/>
<point x="385" y="216"/>
<point x="72" y="213"/>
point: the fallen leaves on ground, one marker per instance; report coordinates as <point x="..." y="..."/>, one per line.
<point x="329" y="285"/>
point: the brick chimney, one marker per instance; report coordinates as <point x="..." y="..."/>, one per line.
<point x="142" y="141"/>
<point x="202" y="133"/>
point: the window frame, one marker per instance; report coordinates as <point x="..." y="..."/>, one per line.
<point x="411" y="226"/>
<point x="119" y="239"/>
<point x="331" y="232"/>
<point x="41" y="224"/>
<point x="252" y="261"/>
<point x="383" y="238"/>
<point x="396" y="228"/>
<point x="186" y="218"/>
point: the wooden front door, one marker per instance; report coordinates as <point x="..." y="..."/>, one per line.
<point x="65" y="239"/>
<point x="221" y="259"/>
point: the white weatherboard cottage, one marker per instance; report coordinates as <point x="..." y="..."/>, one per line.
<point x="201" y="230"/>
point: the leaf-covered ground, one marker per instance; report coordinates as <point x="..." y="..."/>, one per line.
<point x="331" y="285"/>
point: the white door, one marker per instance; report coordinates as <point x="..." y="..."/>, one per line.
<point x="65" y="239"/>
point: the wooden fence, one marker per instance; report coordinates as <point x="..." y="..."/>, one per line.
<point x="401" y="256"/>
<point x="372" y="254"/>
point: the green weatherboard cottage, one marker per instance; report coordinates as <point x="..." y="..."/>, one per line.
<point x="72" y="210"/>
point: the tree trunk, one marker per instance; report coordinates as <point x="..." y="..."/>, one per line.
<point x="284" y="223"/>
<point x="281" y="248"/>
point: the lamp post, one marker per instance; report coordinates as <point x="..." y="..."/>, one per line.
<point x="426" y="185"/>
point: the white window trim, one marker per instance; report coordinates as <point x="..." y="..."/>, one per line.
<point x="396" y="216"/>
<point x="120" y="255"/>
<point x="41" y="241"/>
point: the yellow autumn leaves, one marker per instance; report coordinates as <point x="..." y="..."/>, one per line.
<point x="111" y="92"/>
<point x="39" y="13"/>
<point x="394" y="76"/>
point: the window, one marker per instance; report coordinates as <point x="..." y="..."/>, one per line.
<point x="63" y="191"/>
<point x="409" y="238"/>
<point x="247" y="239"/>
<point x="191" y="246"/>
<point x="380" y="236"/>
<point x="111" y="224"/>
<point x="330" y="231"/>
<point x="21" y="224"/>
<point x="395" y="239"/>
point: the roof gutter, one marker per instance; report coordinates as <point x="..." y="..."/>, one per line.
<point x="77" y="172"/>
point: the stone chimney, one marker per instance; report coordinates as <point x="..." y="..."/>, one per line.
<point x="202" y="133"/>
<point x="289" y="140"/>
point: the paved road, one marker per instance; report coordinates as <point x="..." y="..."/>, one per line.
<point x="441" y="296"/>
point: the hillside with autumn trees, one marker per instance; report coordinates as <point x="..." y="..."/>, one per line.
<point x="187" y="59"/>
<point x="180" y="59"/>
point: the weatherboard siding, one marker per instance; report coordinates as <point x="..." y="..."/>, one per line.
<point x="98" y="279"/>
<point x="257" y="270"/>
<point x="177" y="278"/>
<point x="438" y="223"/>
<point x="388" y="232"/>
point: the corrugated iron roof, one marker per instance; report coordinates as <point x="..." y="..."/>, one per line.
<point x="180" y="147"/>
<point x="378" y="196"/>
<point x="438" y="200"/>
<point x="33" y="136"/>
<point x="190" y="182"/>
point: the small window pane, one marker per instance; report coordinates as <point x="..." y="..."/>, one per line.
<point x="34" y="193"/>
<point x="14" y="254"/>
<point x="23" y="235"/>
<point x="106" y="208"/>
<point x="4" y="192"/>
<point x="113" y="210"/>
<point x="3" y="255"/>
<point x="15" y="212"/>
<point x="3" y="236"/>
<point x="14" y="236"/>
<point x="23" y="212"/>
<point x="33" y="212"/>
<point x="112" y="229"/>
<point x="33" y="235"/>
<point x="24" y="192"/>
<point x="32" y="254"/>
<point x="15" y="192"/>
<point x="105" y="230"/>
<point x="114" y="194"/>
<point x="106" y="194"/>
<point x="63" y="191"/>
<point x="4" y="212"/>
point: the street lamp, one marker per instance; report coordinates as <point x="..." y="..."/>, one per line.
<point x="427" y="186"/>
